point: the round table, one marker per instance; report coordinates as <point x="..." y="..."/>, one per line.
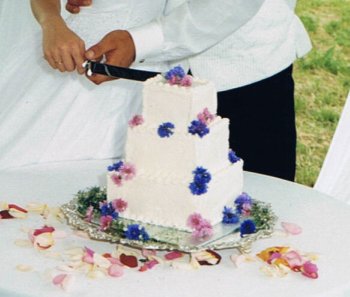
<point x="325" y="222"/>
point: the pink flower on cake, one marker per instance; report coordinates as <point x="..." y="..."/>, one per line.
<point x="186" y="81"/>
<point x="105" y="222"/>
<point x="205" y="116"/>
<point x="203" y="232"/>
<point x="194" y="221"/>
<point x="117" y="179"/>
<point x="89" y="213"/>
<point x="136" y="121"/>
<point x="202" y="227"/>
<point x="119" y="204"/>
<point x="128" y="171"/>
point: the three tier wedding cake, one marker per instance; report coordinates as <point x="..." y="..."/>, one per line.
<point x="177" y="160"/>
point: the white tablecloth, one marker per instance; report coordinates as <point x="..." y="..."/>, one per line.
<point x="325" y="222"/>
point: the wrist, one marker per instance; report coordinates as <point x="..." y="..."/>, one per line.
<point x="52" y="21"/>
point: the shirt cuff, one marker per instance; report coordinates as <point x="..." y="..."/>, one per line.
<point x="148" y="40"/>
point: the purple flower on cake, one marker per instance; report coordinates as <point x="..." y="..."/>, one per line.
<point x="127" y="171"/>
<point x="117" y="179"/>
<point x="233" y="157"/>
<point x="247" y="227"/>
<point x="229" y="216"/>
<point x="136" y="232"/>
<point x="119" y="204"/>
<point x="136" y="121"/>
<point x="244" y="204"/>
<point x="201" y="227"/>
<point x="205" y="116"/>
<point x="166" y="129"/>
<point x="199" y="128"/>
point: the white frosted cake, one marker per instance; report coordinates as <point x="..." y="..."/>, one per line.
<point x="177" y="157"/>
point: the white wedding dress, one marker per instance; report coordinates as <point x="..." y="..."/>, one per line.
<point x="48" y="116"/>
<point x="334" y="178"/>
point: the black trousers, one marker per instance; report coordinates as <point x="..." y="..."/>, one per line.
<point x="262" y="124"/>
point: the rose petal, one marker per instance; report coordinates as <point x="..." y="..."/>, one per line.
<point x="45" y="229"/>
<point x="101" y="261"/>
<point x="5" y="214"/>
<point x="58" y="279"/>
<point x="43" y="241"/>
<point x="115" y="270"/>
<point x="130" y="261"/>
<point x="173" y="255"/>
<point x="24" y="268"/>
<point x="238" y="259"/>
<point x="207" y="257"/>
<point x="291" y="228"/>
<point x="147" y="253"/>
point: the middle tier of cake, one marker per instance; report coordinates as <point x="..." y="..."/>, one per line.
<point x="178" y="155"/>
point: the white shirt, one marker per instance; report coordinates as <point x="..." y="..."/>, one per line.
<point x="232" y="43"/>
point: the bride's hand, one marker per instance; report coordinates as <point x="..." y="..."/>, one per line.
<point x="63" y="49"/>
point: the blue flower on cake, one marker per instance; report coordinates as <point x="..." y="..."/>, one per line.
<point x="177" y="76"/>
<point x="200" y="182"/>
<point x="229" y="216"/>
<point x="198" y="188"/>
<point x="166" y="129"/>
<point x="136" y="232"/>
<point x="233" y="157"/>
<point x="244" y="204"/>
<point x="115" y="166"/>
<point x="247" y="227"/>
<point x="199" y="128"/>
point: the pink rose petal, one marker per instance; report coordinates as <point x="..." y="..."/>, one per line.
<point x="173" y="255"/>
<point x="115" y="270"/>
<point x="291" y="228"/>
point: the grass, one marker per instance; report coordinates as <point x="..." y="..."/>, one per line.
<point x="322" y="81"/>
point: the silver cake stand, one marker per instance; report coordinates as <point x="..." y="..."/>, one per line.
<point x="163" y="238"/>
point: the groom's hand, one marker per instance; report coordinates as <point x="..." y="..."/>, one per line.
<point x="118" y="49"/>
<point x="73" y="6"/>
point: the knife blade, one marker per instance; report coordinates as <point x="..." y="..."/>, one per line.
<point x="93" y="67"/>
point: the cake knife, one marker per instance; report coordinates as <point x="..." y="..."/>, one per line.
<point x="92" y="67"/>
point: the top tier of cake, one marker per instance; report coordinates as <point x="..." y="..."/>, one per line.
<point x="179" y="105"/>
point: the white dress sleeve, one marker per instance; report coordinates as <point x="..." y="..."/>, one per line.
<point x="191" y="28"/>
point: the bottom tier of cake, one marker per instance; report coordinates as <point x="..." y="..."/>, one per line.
<point x="170" y="204"/>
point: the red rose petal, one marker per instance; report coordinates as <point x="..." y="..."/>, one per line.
<point x="130" y="261"/>
<point x="4" y="214"/>
<point x="14" y="206"/>
<point x="173" y="255"/>
<point x="215" y="255"/>
<point x="45" y="229"/>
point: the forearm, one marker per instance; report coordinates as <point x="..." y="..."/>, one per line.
<point x="192" y="28"/>
<point x="47" y="12"/>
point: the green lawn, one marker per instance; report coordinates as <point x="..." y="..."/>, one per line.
<point x="322" y="81"/>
